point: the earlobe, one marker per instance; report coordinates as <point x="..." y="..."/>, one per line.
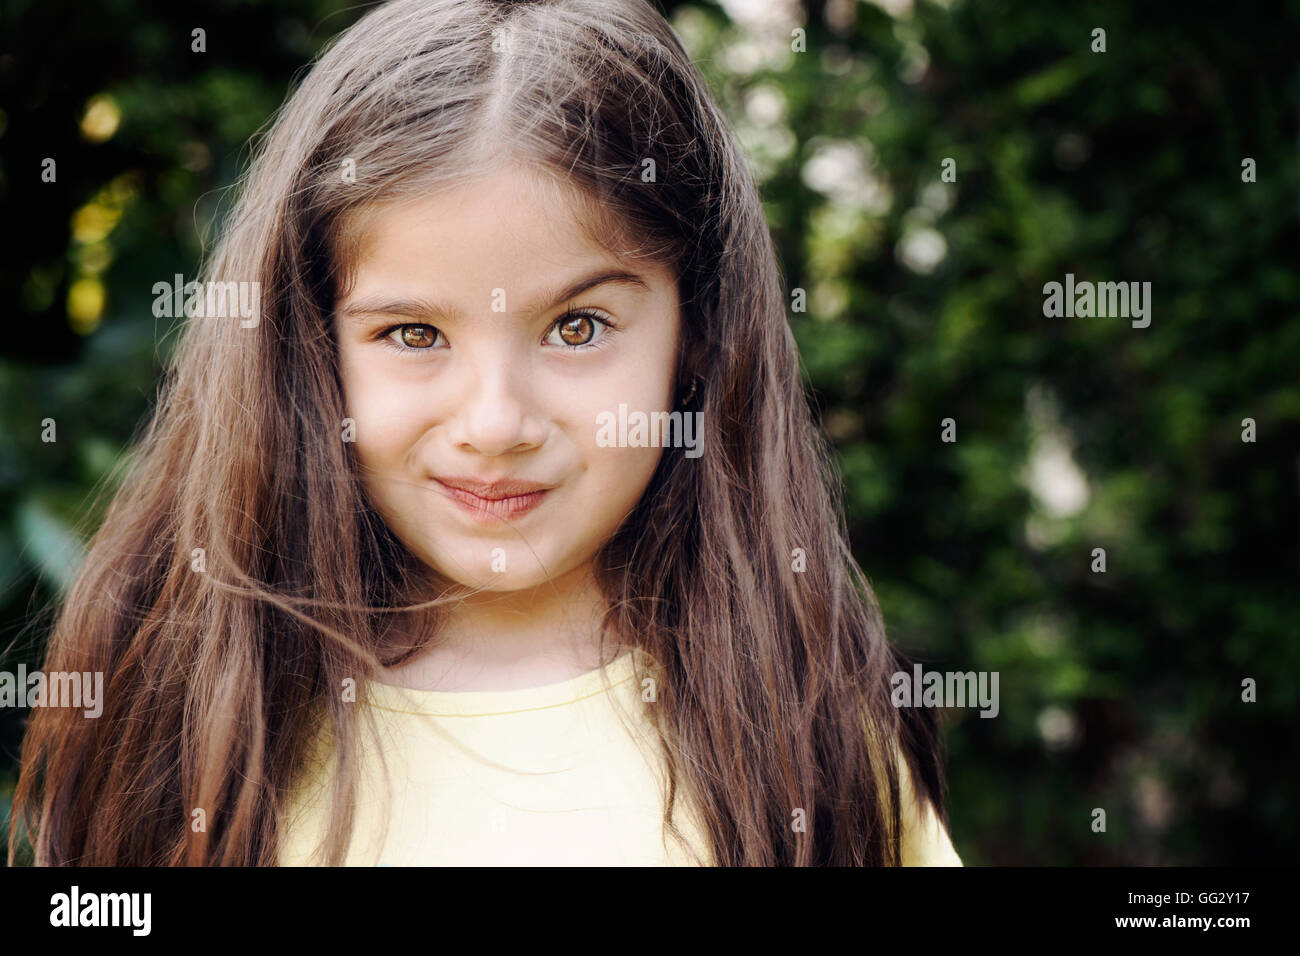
<point x="687" y="398"/>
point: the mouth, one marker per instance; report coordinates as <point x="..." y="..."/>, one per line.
<point x="493" y="500"/>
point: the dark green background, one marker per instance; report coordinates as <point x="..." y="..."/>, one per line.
<point x="1120" y="690"/>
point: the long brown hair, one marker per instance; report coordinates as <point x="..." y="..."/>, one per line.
<point x="773" y="682"/>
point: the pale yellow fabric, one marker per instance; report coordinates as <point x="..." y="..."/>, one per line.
<point x="548" y="776"/>
<point x="925" y="841"/>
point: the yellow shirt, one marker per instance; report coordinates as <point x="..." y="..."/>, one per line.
<point x="552" y="776"/>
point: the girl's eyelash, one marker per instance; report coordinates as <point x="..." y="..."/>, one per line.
<point x="569" y="315"/>
<point x="606" y="323"/>
<point x="385" y="340"/>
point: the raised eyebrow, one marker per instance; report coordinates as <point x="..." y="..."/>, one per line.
<point x="425" y="310"/>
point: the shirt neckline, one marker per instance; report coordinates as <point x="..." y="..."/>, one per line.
<point x="492" y="703"/>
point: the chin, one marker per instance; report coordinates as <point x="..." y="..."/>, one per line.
<point x="523" y="571"/>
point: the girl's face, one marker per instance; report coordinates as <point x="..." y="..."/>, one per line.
<point x="475" y="397"/>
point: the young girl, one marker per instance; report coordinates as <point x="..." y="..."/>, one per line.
<point x="408" y="570"/>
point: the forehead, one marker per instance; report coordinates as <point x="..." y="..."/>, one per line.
<point x="508" y="223"/>
<point x="509" y="216"/>
<point x="511" y="230"/>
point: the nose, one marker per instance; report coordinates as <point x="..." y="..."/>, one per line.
<point x="497" y="412"/>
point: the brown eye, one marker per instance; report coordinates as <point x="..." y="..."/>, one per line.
<point x="580" y="331"/>
<point x="418" y="336"/>
<point x="577" y="330"/>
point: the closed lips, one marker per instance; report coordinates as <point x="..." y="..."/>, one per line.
<point x="494" y="501"/>
<point x="494" y="490"/>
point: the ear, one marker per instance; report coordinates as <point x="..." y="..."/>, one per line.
<point x="689" y="378"/>
<point x="691" y="393"/>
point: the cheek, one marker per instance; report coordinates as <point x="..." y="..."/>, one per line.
<point x="382" y="426"/>
<point x="618" y="479"/>
<point x="378" y="448"/>
<point x="368" y="394"/>
<point x="617" y="476"/>
<point x="378" y="461"/>
<point x="640" y="380"/>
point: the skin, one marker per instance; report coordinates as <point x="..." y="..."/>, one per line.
<point x="502" y="395"/>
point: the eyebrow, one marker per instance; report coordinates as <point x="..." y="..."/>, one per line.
<point x="419" y="308"/>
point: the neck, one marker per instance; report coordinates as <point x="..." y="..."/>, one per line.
<point x="513" y="639"/>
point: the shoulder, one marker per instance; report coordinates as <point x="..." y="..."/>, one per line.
<point x="925" y="841"/>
